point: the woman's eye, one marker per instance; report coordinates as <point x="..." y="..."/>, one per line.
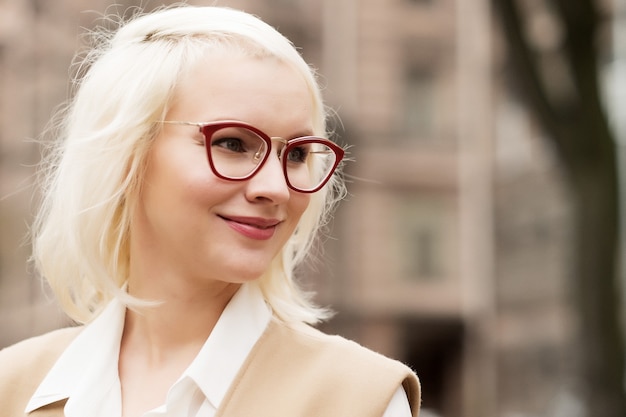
<point x="230" y="144"/>
<point x="298" y="154"/>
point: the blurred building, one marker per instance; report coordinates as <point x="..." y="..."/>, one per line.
<point x="450" y="251"/>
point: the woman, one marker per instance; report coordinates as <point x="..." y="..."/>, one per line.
<point x="190" y="180"/>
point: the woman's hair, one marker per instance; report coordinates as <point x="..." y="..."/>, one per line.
<point x="93" y="173"/>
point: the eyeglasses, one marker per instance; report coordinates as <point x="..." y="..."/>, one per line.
<point x="237" y="151"/>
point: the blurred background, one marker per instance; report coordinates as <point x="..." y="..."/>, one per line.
<point x="481" y="240"/>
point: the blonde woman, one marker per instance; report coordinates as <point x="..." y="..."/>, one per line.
<point x="191" y="174"/>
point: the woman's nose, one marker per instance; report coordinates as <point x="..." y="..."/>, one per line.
<point x="269" y="183"/>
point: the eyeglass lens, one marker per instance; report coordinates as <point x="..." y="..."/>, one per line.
<point x="237" y="152"/>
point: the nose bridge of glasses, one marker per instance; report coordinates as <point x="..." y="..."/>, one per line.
<point x="279" y="150"/>
<point x="258" y="155"/>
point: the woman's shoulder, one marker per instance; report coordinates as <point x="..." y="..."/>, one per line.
<point x="38" y="347"/>
<point x="319" y="343"/>
<point x="26" y="363"/>
<point x="32" y="358"/>
<point x="329" y="373"/>
<point x="346" y="357"/>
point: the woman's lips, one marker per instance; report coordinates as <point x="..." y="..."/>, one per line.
<point x="257" y="228"/>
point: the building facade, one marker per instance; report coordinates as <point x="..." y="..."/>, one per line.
<point x="450" y="250"/>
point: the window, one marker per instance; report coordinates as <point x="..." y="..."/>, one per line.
<point x="424" y="228"/>
<point x="419" y="102"/>
<point x="422" y="2"/>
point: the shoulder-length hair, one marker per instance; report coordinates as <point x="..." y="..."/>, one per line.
<point x="93" y="173"/>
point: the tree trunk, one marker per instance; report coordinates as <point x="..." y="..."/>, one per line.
<point x="580" y="132"/>
<point x="600" y="343"/>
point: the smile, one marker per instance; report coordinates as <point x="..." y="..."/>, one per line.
<point x="253" y="227"/>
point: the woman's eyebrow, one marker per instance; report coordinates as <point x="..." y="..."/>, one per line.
<point x="301" y="134"/>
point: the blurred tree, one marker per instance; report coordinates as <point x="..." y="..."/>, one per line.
<point x="554" y="57"/>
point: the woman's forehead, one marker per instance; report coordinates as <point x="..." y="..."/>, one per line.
<point x="234" y="86"/>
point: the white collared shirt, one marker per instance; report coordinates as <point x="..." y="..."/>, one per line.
<point x="87" y="371"/>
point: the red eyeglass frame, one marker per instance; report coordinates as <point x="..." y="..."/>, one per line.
<point x="208" y="129"/>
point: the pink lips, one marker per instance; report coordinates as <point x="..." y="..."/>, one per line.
<point x="257" y="228"/>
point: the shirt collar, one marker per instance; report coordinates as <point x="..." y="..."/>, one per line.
<point x="87" y="370"/>
<point x="239" y="327"/>
<point x="83" y="370"/>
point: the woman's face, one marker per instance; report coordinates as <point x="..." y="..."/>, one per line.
<point x="193" y="225"/>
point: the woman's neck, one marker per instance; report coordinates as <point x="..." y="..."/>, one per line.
<point x="182" y="319"/>
<point x="160" y="342"/>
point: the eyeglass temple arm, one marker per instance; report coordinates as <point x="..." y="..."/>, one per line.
<point x="177" y="122"/>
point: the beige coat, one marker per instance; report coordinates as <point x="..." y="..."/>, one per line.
<point x="291" y="371"/>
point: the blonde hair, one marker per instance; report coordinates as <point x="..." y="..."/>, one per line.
<point x="93" y="173"/>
